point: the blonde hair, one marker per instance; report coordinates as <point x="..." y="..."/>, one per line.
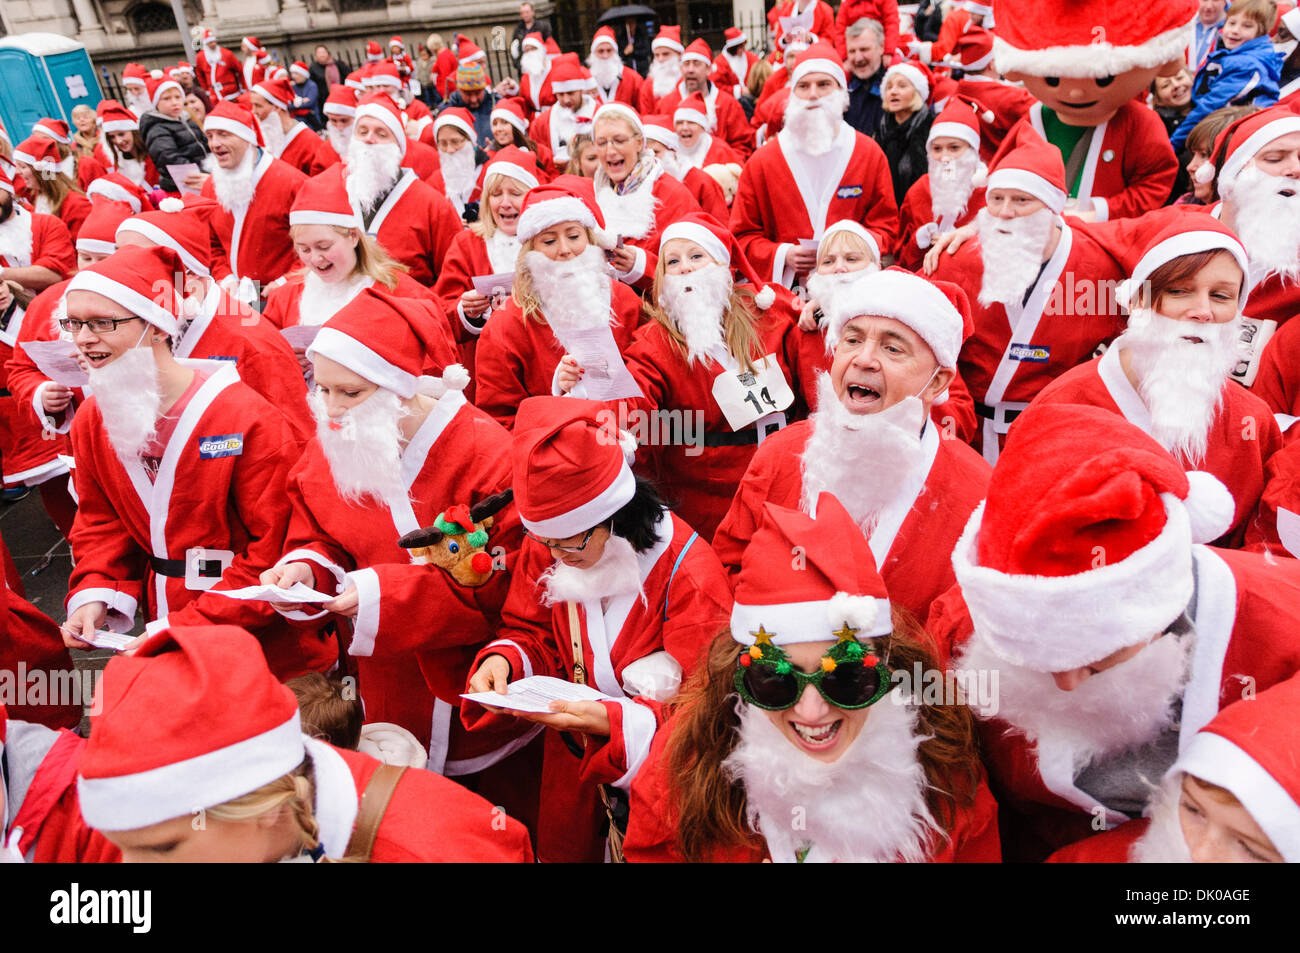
<point x="523" y="291"/>
<point x="1262" y="12"/>
<point x="739" y="323"/>
<point x="576" y="145"/>
<point x="758" y="77"/>
<point x="55" y="187"/>
<point x="486" y="225"/>
<point x="372" y="260"/>
<point x="435" y="42"/>
<point x="297" y="789"/>
<point x="845" y="240"/>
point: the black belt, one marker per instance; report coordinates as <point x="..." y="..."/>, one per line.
<point x="730" y="438"/>
<point x="5" y="392"/>
<point x="989" y="413"/>
<point x="208" y="568"/>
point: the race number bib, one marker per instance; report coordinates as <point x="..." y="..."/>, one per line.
<point x="745" y="397"/>
<point x="1255" y="333"/>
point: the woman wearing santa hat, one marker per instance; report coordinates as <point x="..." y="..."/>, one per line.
<point x="510" y="128"/>
<point x="635" y="195"/>
<point x="171" y="137"/>
<point x="490" y="246"/>
<point x="905" y="124"/>
<point x="121" y="147"/>
<point x="714" y="353"/>
<point x="611" y="589"/>
<point x="460" y="159"/>
<point x="562" y="291"/>
<point x="195" y="724"/>
<point x="661" y="138"/>
<point x="53" y="193"/>
<point x="803" y="737"/>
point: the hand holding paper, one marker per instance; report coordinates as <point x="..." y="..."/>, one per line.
<point x="298" y="592"/>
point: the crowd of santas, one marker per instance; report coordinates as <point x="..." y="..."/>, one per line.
<point x="761" y="458"/>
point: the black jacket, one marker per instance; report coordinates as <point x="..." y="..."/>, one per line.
<point x="904" y="147"/>
<point x="171" y="142"/>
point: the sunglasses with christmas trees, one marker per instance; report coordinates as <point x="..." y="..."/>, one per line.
<point x="850" y="675"/>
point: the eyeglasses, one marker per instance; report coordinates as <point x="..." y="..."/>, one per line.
<point x="850" y="677"/>
<point x="552" y="545"/>
<point x="98" y="325"/>
<point x="618" y="141"/>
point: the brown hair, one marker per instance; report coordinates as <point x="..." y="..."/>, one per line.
<point x="1204" y="133"/>
<point x="579" y="141"/>
<point x="739" y="323"/>
<point x="1262" y="12"/>
<point x="372" y="260"/>
<point x="137" y="145"/>
<point x="1220" y="794"/>
<point x="54" y="186"/>
<point x="327" y="713"/>
<point x="712" y="811"/>
<point x="1173" y="272"/>
<point x="757" y="78"/>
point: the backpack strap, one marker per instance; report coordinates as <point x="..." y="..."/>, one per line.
<point x="677" y="565"/>
<point x="374" y="802"/>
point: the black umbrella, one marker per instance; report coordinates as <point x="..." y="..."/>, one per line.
<point x="635" y="10"/>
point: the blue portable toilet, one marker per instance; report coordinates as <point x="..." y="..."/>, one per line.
<point x="43" y="74"/>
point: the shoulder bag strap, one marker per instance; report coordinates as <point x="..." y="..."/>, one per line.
<point x="374" y="802"/>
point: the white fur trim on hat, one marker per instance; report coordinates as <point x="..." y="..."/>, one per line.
<point x="163" y="87"/>
<point x="665" y="43"/>
<point x="540" y="216"/>
<point x="1215" y="759"/>
<point x="622" y="111"/>
<point x="1257" y="140"/>
<point x="814" y="621"/>
<point x="1030" y="182"/>
<point x="1060" y="623"/>
<point x="1176" y="246"/>
<point x="447" y="119"/>
<point x="687" y="114"/>
<point x="315" y="217"/>
<point x="132" y="801"/>
<point x="603" y="39"/>
<point x="95" y="246"/>
<point x="159" y="237"/>
<point x="662" y="136"/>
<point x="50" y="133"/>
<point x="692" y="56"/>
<point x="119" y="125"/>
<point x="338" y="109"/>
<point x="954" y="130"/>
<point x="1093" y="60"/>
<point x="569" y="85"/>
<point x="912" y="75"/>
<point x="974" y="65"/>
<point x="359" y="358"/>
<point x="128" y="298"/>
<point x="244" y="132"/>
<point x="853" y="228"/>
<point x="806" y="66"/>
<point x="385" y="79"/>
<point x="694" y="232"/>
<point x="386" y="116"/>
<point x="510" y="170"/>
<point x="592" y="513"/>
<point x="517" y="121"/>
<point x="907" y="298"/>
<point x="114" y="192"/>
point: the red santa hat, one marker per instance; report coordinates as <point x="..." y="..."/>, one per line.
<point x="156" y="87"/>
<point x="133" y="74"/>
<point x="698" y="51"/>
<point x="515" y="163"/>
<point x="277" y="92"/>
<point x="818" y="58"/>
<point x="915" y="73"/>
<point x="604" y="37"/>
<point x="355" y="80"/>
<point x="552" y="48"/>
<point x="388" y="341"/>
<point x="694" y="108"/>
<point x="381" y="106"/>
<point x="972" y="51"/>
<point x="142" y="280"/>
<point x="384" y="74"/>
<point x="570" y="469"/>
<point x="6" y="183"/>
<point x="395" y="41"/>
<point x="1100" y="559"/>
<point x="661" y="130"/>
<point x="973" y="6"/>
<point x="299" y="69"/>
<point x="853" y="228"/>
<point x="1181" y="239"/>
<point x="182" y="69"/>
<point x="622" y="111"/>
<point x="458" y="118"/>
<point x="1241" y="141"/>
<point x="534" y="41"/>
<point x="374" y="52"/>
<point x="957" y="120"/>
<point x="341" y="101"/>
<point x="39" y="152"/>
<point x="832" y="589"/>
<point x="98" y="235"/>
<point x="209" y="36"/>
<point x="1032" y="166"/>
<point x="55" y="129"/>
<point x="235" y="119"/>
<point x="510" y="110"/>
<point x="250" y="44"/>
<point x="732" y="37"/>
<point x="114" y="117"/>
<point x="566" y="198"/>
<point x="115" y="187"/>
<point x="938" y="311"/>
<point x="467" y="50"/>
<point x="183" y="227"/>
<point x="669" y="38"/>
<point x="1291" y="20"/>
<point x="1090" y="38"/>
<point x="716" y="239"/>
<point x="567" y="74"/>
<point x="1249" y="749"/>
<point x="229" y="728"/>
<point x="323" y="200"/>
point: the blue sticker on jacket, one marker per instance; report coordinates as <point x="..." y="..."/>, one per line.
<point x="225" y="445"/>
<point x="1030" y="353"/>
<point x="848" y="191"/>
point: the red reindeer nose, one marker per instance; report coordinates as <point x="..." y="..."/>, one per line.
<point x="481" y="563"/>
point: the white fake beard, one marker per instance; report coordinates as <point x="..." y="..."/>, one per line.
<point x="138" y="103"/>
<point x="564" y="124"/>
<point x="1012" y="252"/>
<point x="951" y="184"/>
<point x="130" y="399"/>
<point x="16" y="237"/>
<point x="575" y="294"/>
<point x="534" y="64"/>
<point x="862" y="459"/>
<point x="695" y="156"/>
<point x="672" y="165"/>
<point x="866" y="807"/>
<point x="503" y="250"/>
<point x="365" y="453"/>
<point x="1109" y="712"/>
<point x="815" y="125"/>
<point x="321" y="300"/>
<point x="272" y="133"/>
<point x="234" y="187"/>
<point x="372" y="170"/>
<point x="664" y="76"/>
<point x="133" y="169"/>
<point x="340" y="139"/>
<point x="606" y="71"/>
<point x="1163" y="842"/>
<point x="616" y="573"/>
<point x="1181" y="382"/>
<point x="695" y="303"/>
<point x="1268" y="222"/>
<point x="459" y="174"/>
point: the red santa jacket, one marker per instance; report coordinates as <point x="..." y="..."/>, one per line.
<point x="1246" y="606"/>
<point x="627" y="90"/>
<point x="283" y="302"/>
<point x="467" y="259"/>
<point x="653" y="822"/>
<point x="28" y="637"/>
<point x="687" y="602"/>
<point x="884" y="12"/>
<point x="732" y="126"/>
<point x="1002" y="106"/>
<point x="255" y="243"/>
<point x="221" y="76"/>
<point x="724" y="73"/>
<point x="1016" y="351"/>
<point x="1275" y="527"/>
<point x="718" y="153"/>
<point x="416" y="225"/>
<point x="216" y="489"/>
<point x="916" y="213"/>
<point x="640" y="216"/>
<point x="1277" y="380"/>
<point x="914" y="536"/>
<point x="707" y="193"/>
<point x="306" y="151"/>
<point x="1109" y="847"/>
<point x="542" y="133"/>
<point x="823" y="24"/>
<point x="73" y="213"/>
<point x="1242" y="438"/>
<point x="422" y="158"/>
<point x="25" y="379"/>
<point x="776" y="206"/>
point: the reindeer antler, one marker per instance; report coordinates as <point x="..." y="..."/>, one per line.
<point x="490" y="506"/>
<point x="425" y="536"/>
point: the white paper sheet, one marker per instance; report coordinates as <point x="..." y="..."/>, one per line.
<point x="300" y="336"/>
<point x="298" y="592"/>
<point x="110" y="640"/>
<point x="535" y="694"/>
<point x="490" y="286"/>
<point x="57" y="360"/>
<point x="179" y="173"/>
<point x="604" y="375"/>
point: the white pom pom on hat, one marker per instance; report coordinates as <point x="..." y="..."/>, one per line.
<point x="1210" y="506"/>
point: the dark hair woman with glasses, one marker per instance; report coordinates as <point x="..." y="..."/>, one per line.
<point x="820" y="728"/>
